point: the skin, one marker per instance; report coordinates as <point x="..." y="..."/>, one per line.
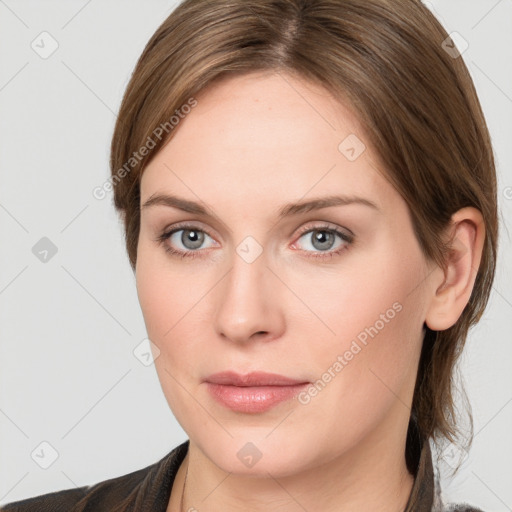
<point x="253" y="144"/>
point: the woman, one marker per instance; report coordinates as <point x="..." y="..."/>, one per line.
<point x="309" y="199"/>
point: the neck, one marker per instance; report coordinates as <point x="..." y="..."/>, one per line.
<point x="372" y="476"/>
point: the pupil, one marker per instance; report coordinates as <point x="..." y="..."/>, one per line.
<point x="323" y="237"/>
<point x="192" y="239"/>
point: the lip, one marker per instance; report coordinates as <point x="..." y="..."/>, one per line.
<point x="230" y="378"/>
<point x="255" y="392"/>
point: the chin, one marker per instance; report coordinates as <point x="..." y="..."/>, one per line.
<point x="253" y="452"/>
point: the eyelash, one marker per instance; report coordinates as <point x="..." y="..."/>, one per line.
<point x="347" y="238"/>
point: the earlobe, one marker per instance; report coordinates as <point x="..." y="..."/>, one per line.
<point x="451" y="296"/>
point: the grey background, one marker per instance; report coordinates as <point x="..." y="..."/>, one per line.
<point x="69" y="326"/>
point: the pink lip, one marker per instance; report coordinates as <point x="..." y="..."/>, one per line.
<point x="254" y="392"/>
<point x="230" y="378"/>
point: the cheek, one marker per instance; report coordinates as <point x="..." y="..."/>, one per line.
<point x="375" y="317"/>
<point x="163" y="292"/>
<point x="172" y="298"/>
<point x="151" y="291"/>
<point x="165" y="297"/>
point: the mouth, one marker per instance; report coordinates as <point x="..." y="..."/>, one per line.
<point x="230" y="378"/>
<point x="255" y="392"/>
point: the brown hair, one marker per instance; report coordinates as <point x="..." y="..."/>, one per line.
<point x="416" y="102"/>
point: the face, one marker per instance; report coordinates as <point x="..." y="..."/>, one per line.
<point x="330" y="295"/>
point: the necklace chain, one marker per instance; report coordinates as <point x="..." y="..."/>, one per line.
<point x="183" y="490"/>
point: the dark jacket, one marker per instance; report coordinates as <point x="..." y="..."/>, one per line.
<point x="149" y="490"/>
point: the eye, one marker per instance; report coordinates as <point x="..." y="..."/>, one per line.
<point x="186" y="240"/>
<point x="183" y="240"/>
<point x="323" y="241"/>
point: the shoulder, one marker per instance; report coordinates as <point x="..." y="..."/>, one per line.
<point x="59" y="501"/>
<point x="107" y="493"/>
<point x="150" y="485"/>
<point x="461" y="507"/>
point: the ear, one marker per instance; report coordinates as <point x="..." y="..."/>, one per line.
<point x="453" y="290"/>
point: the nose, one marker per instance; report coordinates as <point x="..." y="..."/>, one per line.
<point x="249" y="302"/>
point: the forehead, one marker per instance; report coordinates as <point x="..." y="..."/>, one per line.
<point x="285" y="108"/>
<point x="266" y="135"/>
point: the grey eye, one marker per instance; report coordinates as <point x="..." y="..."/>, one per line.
<point x="191" y="239"/>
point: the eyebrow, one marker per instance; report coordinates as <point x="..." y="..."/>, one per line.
<point x="285" y="211"/>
